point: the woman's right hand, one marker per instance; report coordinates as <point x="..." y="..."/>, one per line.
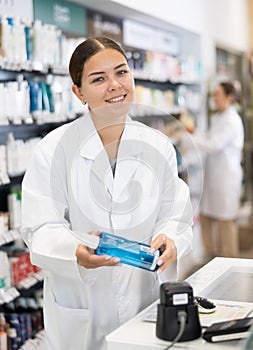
<point x="89" y="260"/>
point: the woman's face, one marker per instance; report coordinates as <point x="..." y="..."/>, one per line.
<point x="106" y="80"/>
<point x="221" y="100"/>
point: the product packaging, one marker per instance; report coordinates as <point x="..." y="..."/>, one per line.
<point x="129" y="252"/>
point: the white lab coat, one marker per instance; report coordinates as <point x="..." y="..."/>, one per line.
<point x="222" y="149"/>
<point x="69" y="190"/>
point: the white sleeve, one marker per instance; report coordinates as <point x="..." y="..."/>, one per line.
<point x="210" y="143"/>
<point x="45" y="226"/>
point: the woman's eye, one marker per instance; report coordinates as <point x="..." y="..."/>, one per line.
<point x="97" y="80"/>
<point x="122" y="72"/>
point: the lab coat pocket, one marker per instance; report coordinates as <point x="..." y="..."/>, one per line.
<point x="67" y="327"/>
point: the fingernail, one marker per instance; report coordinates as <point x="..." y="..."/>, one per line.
<point x="116" y="260"/>
<point x="152" y="250"/>
<point x="160" y="262"/>
<point x="119" y="264"/>
<point x="159" y="271"/>
<point x="108" y="257"/>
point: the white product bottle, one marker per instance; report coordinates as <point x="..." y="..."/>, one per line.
<point x="4" y="178"/>
<point x="38" y="45"/>
<point x="5" y="39"/>
<point x="14" y="207"/>
<point x="11" y="155"/>
<point x="5" y="272"/>
<point x="3" y="117"/>
<point x="18" y="42"/>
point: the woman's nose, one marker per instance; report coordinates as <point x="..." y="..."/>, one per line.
<point x="113" y="83"/>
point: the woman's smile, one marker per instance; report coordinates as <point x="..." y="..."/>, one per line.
<point x="117" y="99"/>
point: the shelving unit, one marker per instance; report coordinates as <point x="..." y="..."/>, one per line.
<point x="8" y="295"/>
<point x="9" y="237"/>
<point x="25" y="131"/>
<point x="27" y="280"/>
<point x="31" y="281"/>
<point x="180" y="103"/>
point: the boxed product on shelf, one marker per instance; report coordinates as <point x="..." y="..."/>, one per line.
<point x="16" y="261"/>
<point x="21" y="267"/>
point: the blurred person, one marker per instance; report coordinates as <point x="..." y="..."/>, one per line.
<point x="221" y="147"/>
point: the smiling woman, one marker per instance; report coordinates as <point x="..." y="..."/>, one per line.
<point x="106" y="80"/>
<point x="103" y="172"/>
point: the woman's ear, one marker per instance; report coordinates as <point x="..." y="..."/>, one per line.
<point x="77" y="91"/>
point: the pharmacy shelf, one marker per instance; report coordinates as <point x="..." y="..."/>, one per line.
<point x="8" y="295"/>
<point x="33" y="67"/>
<point x="25" y="131"/>
<point x="9" y="236"/>
<point x="139" y="76"/>
<point x="35" y="343"/>
<point x="30" y="281"/>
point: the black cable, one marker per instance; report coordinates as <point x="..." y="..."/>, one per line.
<point x="182" y="316"/>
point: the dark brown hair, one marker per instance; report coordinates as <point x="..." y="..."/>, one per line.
<point x="87" y="49"/>
<point x="230" y="89"/>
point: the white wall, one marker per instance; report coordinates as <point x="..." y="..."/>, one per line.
<point x="217" y="21"/>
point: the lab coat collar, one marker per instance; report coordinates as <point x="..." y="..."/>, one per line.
<point x="127" y="160"/>
<point x="92" y="144"/>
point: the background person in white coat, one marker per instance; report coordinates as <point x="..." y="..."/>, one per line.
<point x="102" y="172"/>
<point x="222" y="149"/>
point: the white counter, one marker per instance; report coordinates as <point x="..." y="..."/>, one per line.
<point x="139" y="335"/>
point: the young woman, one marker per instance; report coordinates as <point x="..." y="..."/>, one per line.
<point x="102" y="172"/>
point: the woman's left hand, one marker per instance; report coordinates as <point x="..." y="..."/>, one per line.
<point x="168" y="248"/>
